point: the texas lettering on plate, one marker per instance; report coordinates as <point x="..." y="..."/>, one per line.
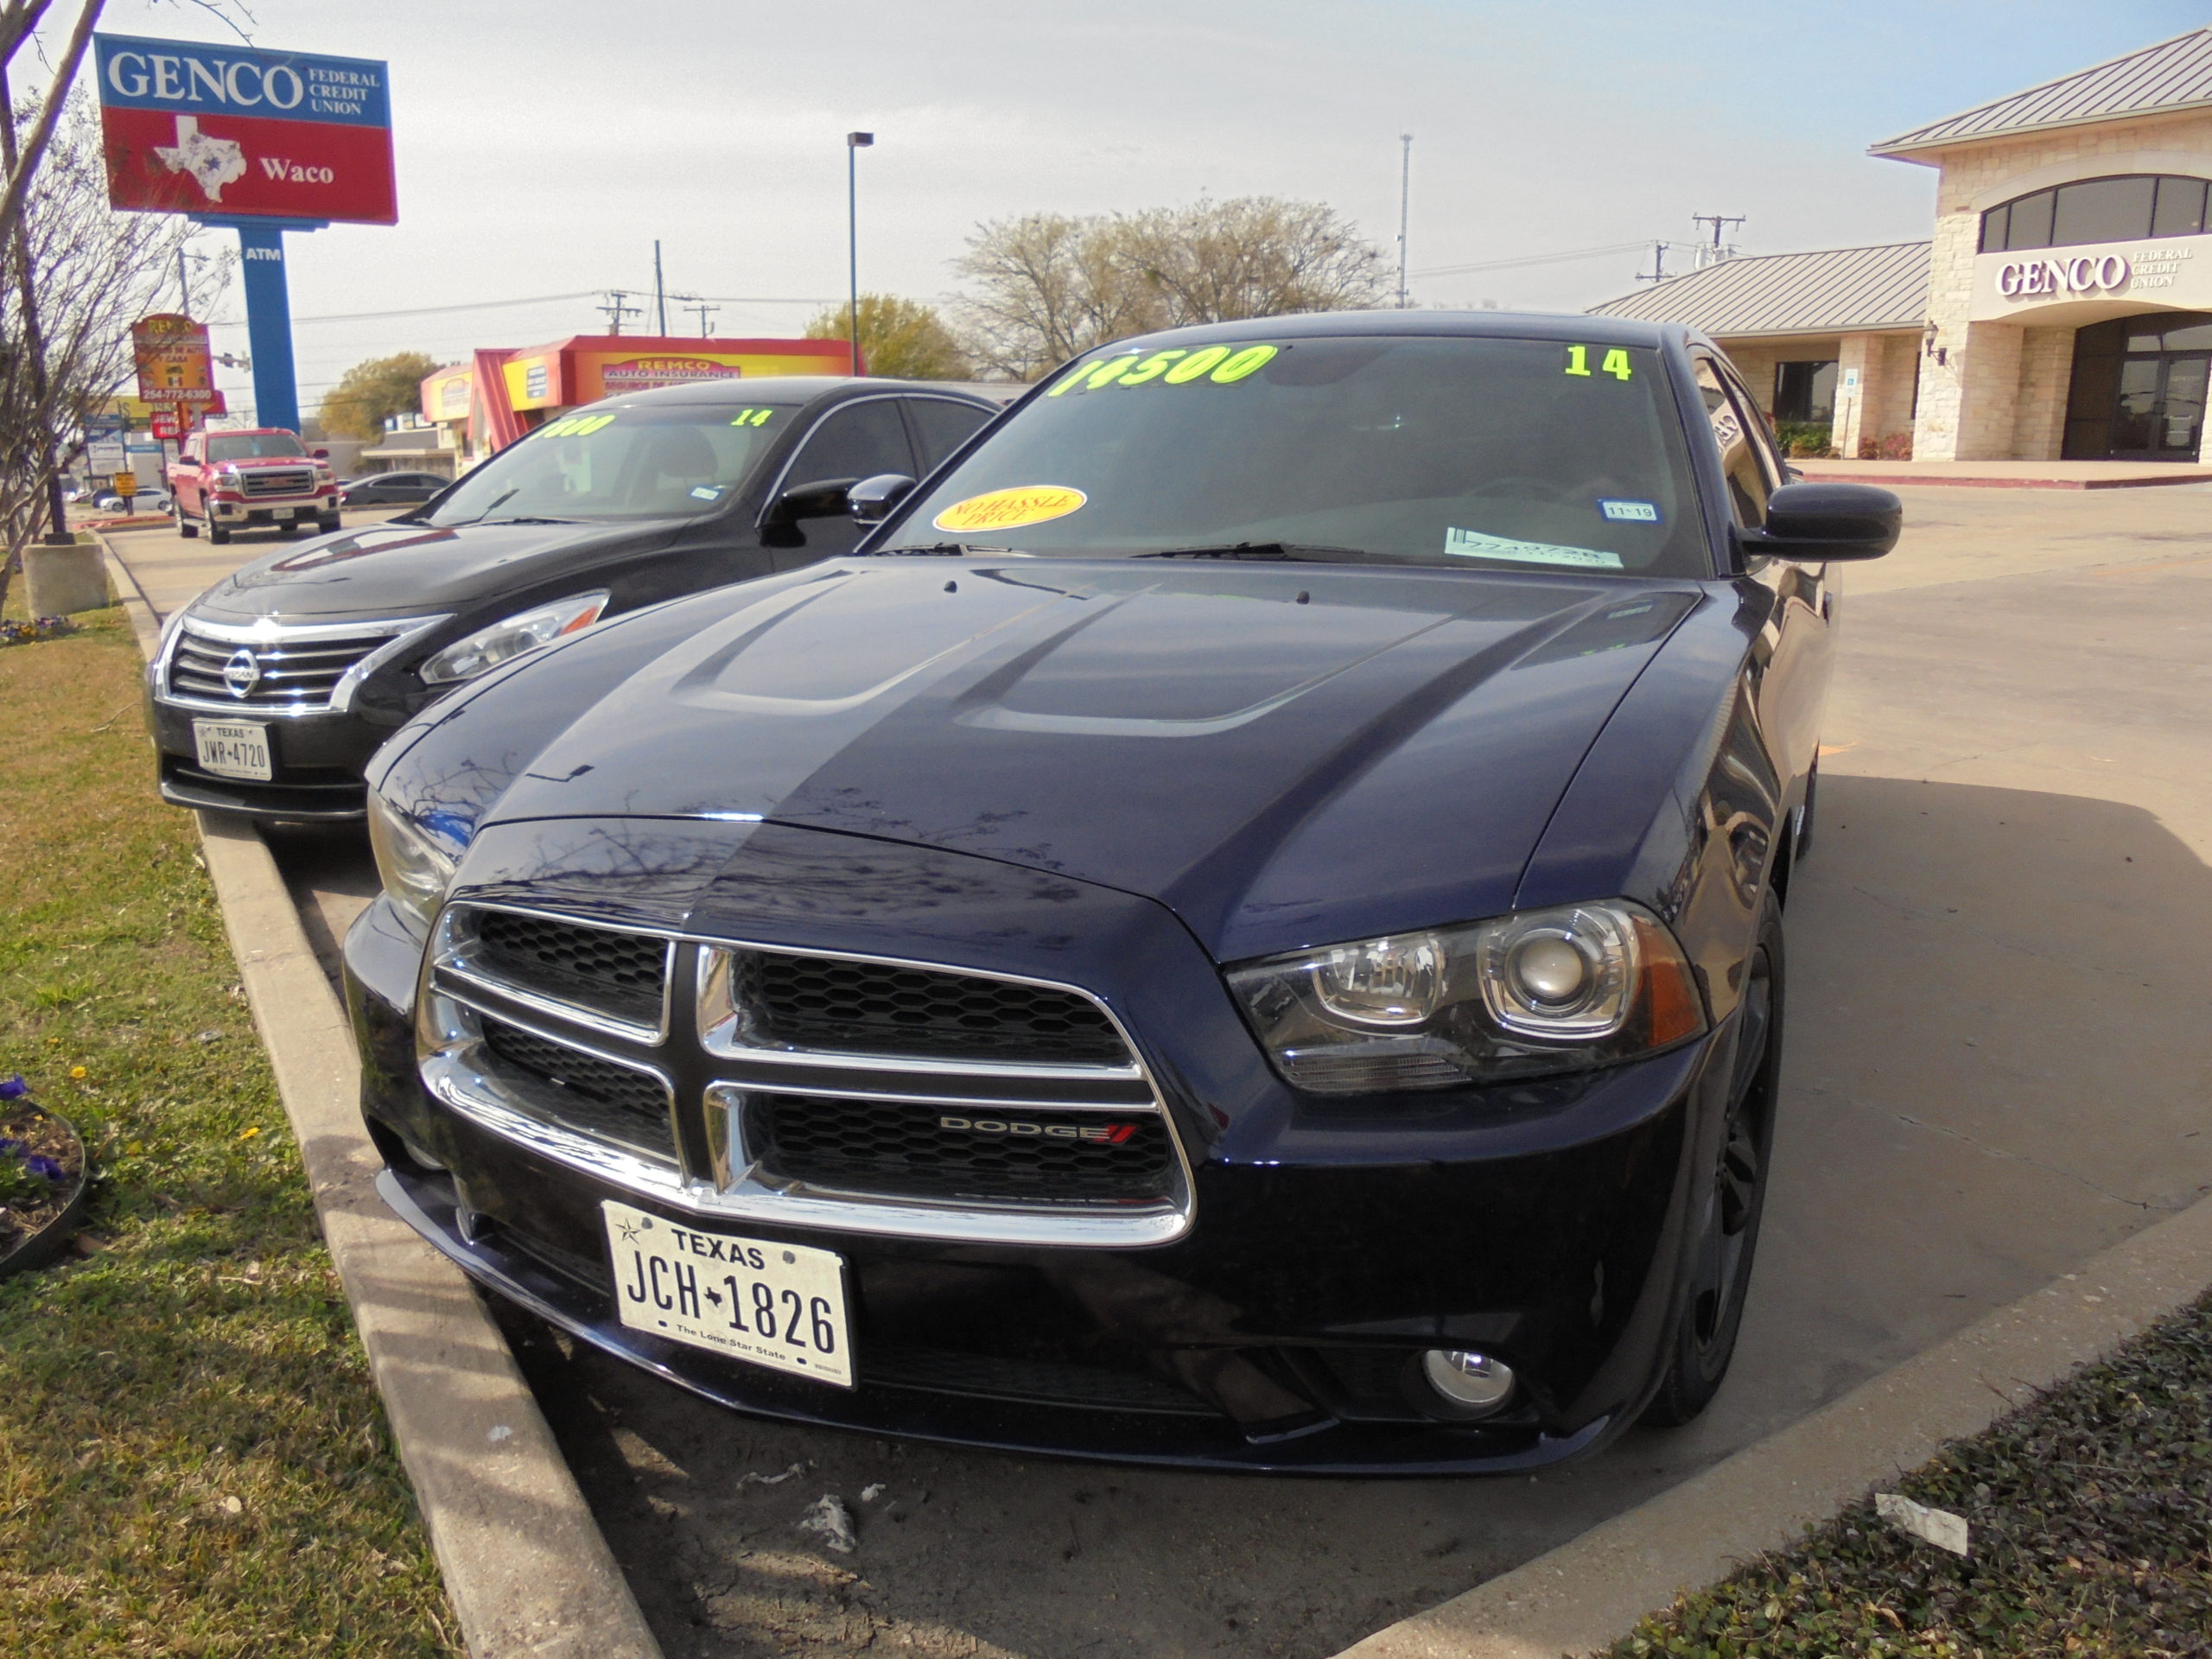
<point x="781" y="1306"/>
<point x="232" y="748"/>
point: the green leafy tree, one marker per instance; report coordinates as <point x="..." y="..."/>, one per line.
<point x="372" y="391"/>
<point x="903" y="339"/>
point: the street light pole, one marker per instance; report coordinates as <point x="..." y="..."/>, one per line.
<point x="855" y="142"/>
<point x="660" y="294"/>
<point x="1405" y="196"/>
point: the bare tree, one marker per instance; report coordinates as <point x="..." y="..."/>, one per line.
<point x="1254" y="256"/>
<point x="93" y="271"/>
<point x="1044" y="286"/>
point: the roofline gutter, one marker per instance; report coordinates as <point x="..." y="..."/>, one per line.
<point x="1895" y="151"/>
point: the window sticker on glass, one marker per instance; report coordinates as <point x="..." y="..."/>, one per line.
<point x="1220" y="365"/>
<point x="1630" y="512"/>
<point x="574" y="425"/>
<point x="752" y="417"/>
<point x="1010" y="509"/>
<point x="1615" y="363"/>
<point x="707" y="492"/>
<point x="1473" y="545"/>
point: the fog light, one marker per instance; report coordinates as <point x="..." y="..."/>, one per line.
<point x="1474" y="1383"/>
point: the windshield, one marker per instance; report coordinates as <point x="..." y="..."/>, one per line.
<point x="250" y="446"/>
<point x="672" y="461"/>
<point x="1504" y="454"/>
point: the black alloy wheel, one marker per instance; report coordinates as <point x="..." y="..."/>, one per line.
<point x="1713" y="1310"/>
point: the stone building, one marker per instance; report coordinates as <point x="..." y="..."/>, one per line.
<point x="2061" y="310"/>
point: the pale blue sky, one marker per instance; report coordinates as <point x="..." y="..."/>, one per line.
<point x="542" y="146"/>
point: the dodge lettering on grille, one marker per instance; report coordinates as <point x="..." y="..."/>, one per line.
<point x="1113" y="1134"/>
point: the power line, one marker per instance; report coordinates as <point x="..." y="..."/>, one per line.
<point x="542" y="299"/>
<point x="1532" y="259"/>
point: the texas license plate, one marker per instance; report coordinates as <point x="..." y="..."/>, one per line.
<point x="233" y="749"/>
<point x="781" y="1306"/>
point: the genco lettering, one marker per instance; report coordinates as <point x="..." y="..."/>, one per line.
<point x="2089" y="274"/>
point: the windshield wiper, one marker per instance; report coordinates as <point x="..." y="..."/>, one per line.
<point x="934" y="550"/>
<point x="1278" y="551"/>
<point x="523" y="519"/>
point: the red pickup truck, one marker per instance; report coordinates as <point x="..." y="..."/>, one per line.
<point x="262" y="477"/>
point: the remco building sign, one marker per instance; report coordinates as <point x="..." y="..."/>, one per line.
<point x="239" y="132"/>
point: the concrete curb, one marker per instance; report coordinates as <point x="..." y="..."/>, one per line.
<point x="1585" y="1595"/>
<point x="525" y="1565"/>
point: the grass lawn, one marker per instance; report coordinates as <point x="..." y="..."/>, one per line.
<point x="2091" y="1510"/>
<point x="193" y="1460"/>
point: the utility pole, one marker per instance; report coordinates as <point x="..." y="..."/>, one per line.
<point x="617" y="308"/>
<point x="1714" y="253"/>
<point x="183" y="285"/>
<point x="855" y="142"/>
<point x="1658" y="271"/>
<point x="660" y="294"/>
<point x="693" y="303"/>
<point x="1405" y="196"/>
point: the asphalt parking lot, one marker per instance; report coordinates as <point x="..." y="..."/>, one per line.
<point x="1994" y="1069"/>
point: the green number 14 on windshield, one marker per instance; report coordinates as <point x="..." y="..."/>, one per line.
<point x="1615" y="362"/>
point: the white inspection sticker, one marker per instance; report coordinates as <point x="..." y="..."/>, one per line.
<point x="1630" y="512"/>
<point x="1473" y="545"/>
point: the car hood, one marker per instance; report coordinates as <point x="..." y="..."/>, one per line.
<point x="395" y="570"/>
<point x="1283" y="754"/>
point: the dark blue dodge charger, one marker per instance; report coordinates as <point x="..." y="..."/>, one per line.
<point x="1242" y="927"/>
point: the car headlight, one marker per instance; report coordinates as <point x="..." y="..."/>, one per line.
<point x="414" y="865"/>
<point x="1537" y="992"/>
<point x="486" y="649"/>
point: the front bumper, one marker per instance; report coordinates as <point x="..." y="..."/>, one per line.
<point x="317" y="761"/>
<point x="1544" y="1224"/>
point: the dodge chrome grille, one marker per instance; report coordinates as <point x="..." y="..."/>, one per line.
<point x="808" y="1088"/>
<point x="874" y="1007"/>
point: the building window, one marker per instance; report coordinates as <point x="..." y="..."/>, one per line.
<point x="1805" y="391"/>
<point x="2097" y="210"/>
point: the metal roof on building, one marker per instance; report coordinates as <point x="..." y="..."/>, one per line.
<point x="2161" y="80"/>
<point x="1839" y="290"/>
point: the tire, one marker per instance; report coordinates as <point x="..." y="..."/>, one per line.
<point x="1803" y="842"/>
<point x="218" y="534"/>
<point x="1704" y="1339"/>
<point x="185" y="527"/>
<point x="327" y="525"/>
<point x="287" y="530"/>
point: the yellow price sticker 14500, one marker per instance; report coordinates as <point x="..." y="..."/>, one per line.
<point x="1615" y="362"/>
<point x="1222" y="365"/>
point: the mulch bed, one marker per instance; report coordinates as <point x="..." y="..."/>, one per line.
<point x="42" y="1182"/>
<point x="2091" y="1517"/>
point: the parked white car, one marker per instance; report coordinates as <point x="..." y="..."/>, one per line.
<point x="143" y="501"/>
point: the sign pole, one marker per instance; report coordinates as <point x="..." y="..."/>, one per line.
<point x="268" y="314"/>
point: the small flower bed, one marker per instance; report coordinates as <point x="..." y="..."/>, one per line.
<point x="41" y="1164"/>
<point x="17" y="632"/>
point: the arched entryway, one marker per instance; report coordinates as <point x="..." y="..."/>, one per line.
<point x="2139" y="388"/>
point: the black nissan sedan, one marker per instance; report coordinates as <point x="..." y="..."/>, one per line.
<point x="1241" y="926"/>
<point x="272" y="689"/>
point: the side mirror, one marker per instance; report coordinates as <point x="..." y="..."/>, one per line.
<point x="319" y="454"/>
<point x="824" y="498"/>
<point x="872" y="499"/>
<point x="1819" y="522"/>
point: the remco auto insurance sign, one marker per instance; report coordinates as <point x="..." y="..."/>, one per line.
<point x="236" y="131"/>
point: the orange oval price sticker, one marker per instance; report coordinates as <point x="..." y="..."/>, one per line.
<point x="1025" y="504"/>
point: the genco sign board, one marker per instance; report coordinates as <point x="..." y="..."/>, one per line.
<point x="2163" y="276"/>
<point x="236" y="132"/>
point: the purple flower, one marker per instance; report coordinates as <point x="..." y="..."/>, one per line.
<point x="45" y="1166"/>
<point x="14" y="1088"/>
